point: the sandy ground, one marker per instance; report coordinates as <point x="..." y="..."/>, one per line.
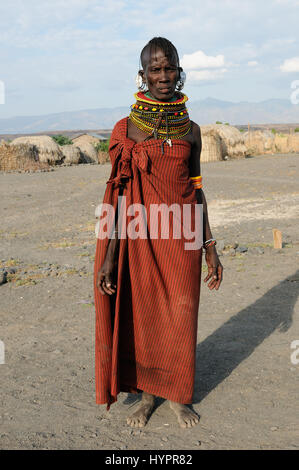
<point x="246" y="384"/>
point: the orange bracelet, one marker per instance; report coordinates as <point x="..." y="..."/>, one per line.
<point x="197" y="181"/>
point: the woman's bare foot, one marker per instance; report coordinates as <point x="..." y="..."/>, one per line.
<point x="186" y="417"/>
<point x="140" y="417"/>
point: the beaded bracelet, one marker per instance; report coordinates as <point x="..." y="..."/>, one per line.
<point x="197" y="181"/>
<point x="209" y="242"/>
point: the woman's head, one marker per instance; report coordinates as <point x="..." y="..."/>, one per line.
<point x="160" y="68"/>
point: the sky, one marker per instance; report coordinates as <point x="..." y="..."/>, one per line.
<point x="67" y="55"/>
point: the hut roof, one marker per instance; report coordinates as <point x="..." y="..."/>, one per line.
<point x="48" y="149"/>
<point x="232" y="140"/>
<point x="91" y="134"/>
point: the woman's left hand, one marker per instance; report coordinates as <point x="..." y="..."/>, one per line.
<point x="215" y="268"/>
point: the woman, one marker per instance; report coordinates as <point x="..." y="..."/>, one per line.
<point x="147" y="288"/>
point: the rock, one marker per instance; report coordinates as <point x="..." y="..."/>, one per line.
<point x="220" y="245"/>
<point x="256" y="250"/>
<point x="241" y="249"/>
<point x="232" y="252"/>
<point x="235" y="245"/>
<point x="3" y="276"/>
<point x="11" y="270"/>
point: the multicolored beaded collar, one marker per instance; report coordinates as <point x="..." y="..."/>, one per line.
<point x="160" y="119"/>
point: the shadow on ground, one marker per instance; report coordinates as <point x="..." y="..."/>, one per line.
<point x="227" y="347"/>
<point x="224" y="350"/>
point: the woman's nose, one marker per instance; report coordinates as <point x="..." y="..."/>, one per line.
<point x="164" y="77"/>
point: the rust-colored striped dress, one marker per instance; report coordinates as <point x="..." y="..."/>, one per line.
<point x="146" y="332"/>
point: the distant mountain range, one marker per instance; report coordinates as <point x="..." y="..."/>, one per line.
<point x="206" y="111"/>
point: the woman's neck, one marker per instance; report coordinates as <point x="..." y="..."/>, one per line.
<point x="149" y="95"/>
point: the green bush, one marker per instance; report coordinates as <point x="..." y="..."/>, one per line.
<point x="102" y="146"/>
<point x="297" y="129"/>
<point x="274" y="131"/>
<point x="62" y="140"/>
<point x="227" y="123"/>
<point x="218" y="122"/>
<point x="242" y="130"/>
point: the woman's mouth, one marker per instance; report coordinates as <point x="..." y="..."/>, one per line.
<point x="165" y="89"/>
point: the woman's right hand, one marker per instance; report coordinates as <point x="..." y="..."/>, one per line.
<point x="105" y="275"/>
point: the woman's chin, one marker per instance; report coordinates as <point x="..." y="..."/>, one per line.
<point x="164" y="95"/>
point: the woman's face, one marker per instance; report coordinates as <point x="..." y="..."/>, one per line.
<point x="161" y="76"/>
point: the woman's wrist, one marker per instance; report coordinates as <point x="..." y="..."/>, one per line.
<point x="210" y="248"/>
<point x="211" y="242"/>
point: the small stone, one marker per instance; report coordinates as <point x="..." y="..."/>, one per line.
<point x="3" y="276"/>
<point x="164" y="439"/>
<point x="11" y="270"/>
<point x="198" y="443"/>
<point x="256" y="250"/>
<point x="220" y="245"/>
<point x="235" y="245"/>
<point x="232" y="252"/>
<point x="274" y="428"/>
<point x="241" y="249"/>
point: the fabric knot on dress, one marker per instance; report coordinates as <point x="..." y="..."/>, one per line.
<point x="122" y="154"/>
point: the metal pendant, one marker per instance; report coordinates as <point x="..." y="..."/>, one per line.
<point x="169" y="142"/>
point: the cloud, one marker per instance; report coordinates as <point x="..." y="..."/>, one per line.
<point x="203" y="75"/>
<point x="201" y="67"/>
<point x="199" y="60"/>
<point x="83" y="53"/>
<point x="290" y="65"/>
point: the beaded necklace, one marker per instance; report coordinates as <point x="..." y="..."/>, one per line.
<point x="160" y="119"/>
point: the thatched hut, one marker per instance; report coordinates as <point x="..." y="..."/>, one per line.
<point x="281" y="143"/>
<point x="259" y="142"/>
<point x="294" y="143"/>
<point x="48" y="150"/>
<point x="103" y="157"/>
<point x="88" y="152"/>
<point x="265" y="142"/>
<point x="85" y="139"/>
<point x="211" y="145"/>
<point x="22" y="157"/>
<point x="71" y="154"/>
<point x="230" y="139"/>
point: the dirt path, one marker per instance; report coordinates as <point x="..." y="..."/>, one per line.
<point x="246" y="385"/>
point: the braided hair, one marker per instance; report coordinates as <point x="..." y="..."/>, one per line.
<point x="158" y="43"/>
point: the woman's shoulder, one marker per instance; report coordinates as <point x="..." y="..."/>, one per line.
<point x="121" y="126"/>
<point x="195" y="128"/>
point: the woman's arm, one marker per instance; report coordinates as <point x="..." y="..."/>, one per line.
<point x="105" y="282"/>
<point x="215" y="268"/>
